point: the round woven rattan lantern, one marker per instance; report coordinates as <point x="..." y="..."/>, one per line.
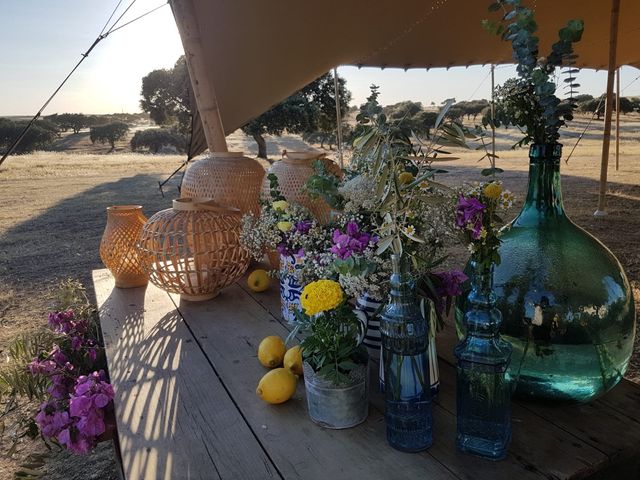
<point x="292" y="172"/>
<point x="193" y="248"/>
<point x="229" y="178"/>
<point x="118" y="247"/>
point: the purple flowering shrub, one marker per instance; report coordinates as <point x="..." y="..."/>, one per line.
<point x="78" y="408"/>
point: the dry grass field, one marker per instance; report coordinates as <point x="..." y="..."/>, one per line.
<point x="53" y="213"/>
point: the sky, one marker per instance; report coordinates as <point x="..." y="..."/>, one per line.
<point x="41" y="41"/>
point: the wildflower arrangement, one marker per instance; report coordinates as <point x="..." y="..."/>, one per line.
<point x="281" y="226"/>
<point x="333" y="331"/>
<point x="478" y="220"/>
<point x="79" y="406"/>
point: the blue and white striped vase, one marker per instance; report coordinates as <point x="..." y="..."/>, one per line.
<point x="371" y="307"/>
<point x="290" y="287"/>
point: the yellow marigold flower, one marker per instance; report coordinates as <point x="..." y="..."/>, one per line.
<point x="405" y="177"/>
<point x="493" y="191"/>
<point x="320" y="296"/>
<point x="280" y="206"/>
<point x="284" y="226"/>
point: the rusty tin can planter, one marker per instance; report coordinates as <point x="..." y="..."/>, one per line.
<point x="337" y="406"/>
<point x="228" y="178"/>
<point x="118" y="247"/>
<point x="193" y="248"/>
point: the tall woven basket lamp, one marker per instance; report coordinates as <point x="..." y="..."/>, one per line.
<point x="228" y="178"/>
<point x="118" y="247"/>
<point x="193" y="248"/>
<point x="293" y="172"/>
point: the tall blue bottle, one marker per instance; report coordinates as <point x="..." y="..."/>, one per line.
<point x="483" y="390"/>
<point x="405" y="339"/>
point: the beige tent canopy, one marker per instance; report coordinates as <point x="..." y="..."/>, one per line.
<point x="245" y="56"/>
<point x="256" y="52"/>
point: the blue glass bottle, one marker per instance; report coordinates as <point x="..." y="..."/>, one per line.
<point x="405" y="339"/>
<point x="483" y="388"/>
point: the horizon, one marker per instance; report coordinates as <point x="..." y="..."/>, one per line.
<point x="47" y="44"/>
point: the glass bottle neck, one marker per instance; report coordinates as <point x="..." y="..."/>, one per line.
<point x="401" y="282"/>
<point x="544" y="193"/>
<point x="483" y="319"/>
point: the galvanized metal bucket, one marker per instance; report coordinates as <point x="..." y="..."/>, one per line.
<point x="338" y="406"/>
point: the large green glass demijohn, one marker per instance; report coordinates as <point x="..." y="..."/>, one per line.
<point x="566" y="302"/>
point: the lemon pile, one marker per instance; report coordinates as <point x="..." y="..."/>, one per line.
<point x="279" y="384"/>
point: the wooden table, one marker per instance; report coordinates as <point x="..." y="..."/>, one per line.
<point x="185" y="376"/>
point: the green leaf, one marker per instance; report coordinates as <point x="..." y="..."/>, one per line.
<point x="384" y="244"/>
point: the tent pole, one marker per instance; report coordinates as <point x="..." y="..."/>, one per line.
<point x="336" y="87"/>
<point x="618" y="119"/>
<point x="203" y="91"/>
<point x="606" y="137"/>
<point x="493" y="116"/>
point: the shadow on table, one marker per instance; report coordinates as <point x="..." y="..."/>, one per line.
<point x="148" y="394"/>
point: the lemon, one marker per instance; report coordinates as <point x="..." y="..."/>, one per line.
<point x="293" y="360"/>
<point x="277" y="386"/>
<point x="271" y="351"/>
<point x="258" y="280"/>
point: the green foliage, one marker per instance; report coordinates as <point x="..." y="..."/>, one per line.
<point x="331" y="346"/>
<point x="39" y="137"/>
<point x="597" y="105"/>
<point x="154" y="139"/>
<point x="73" y="121"/>
<point x="536" y="110"/>
<point x="311" y="109"/>
<point x="324" y="184"/>
<point x="166" y="96"/>
<point x="109" y="133"/>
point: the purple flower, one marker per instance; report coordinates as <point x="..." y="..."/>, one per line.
<point x="450" y="283"/>
<point x="469" y="214"/>
<point x="303" y="226"/>
<point x="351" y="241"/>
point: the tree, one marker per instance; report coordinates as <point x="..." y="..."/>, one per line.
<point x="309" y="110"/>
<point x="73" y="121"/>
<point x="39" y="136"/>
<point x="156" y="138"/>
<point x="166" y="96"/>
<point x="472" y="108"/>
<point x="596" y="105"/>
<point x="109" y="133"/>
<point x="323" y="92"/>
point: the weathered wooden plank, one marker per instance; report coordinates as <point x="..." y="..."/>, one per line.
<point x="539" y="448"/>
<point x="175" y="420"/>
<point x="609" y="425"/>
<point x="229" y="329"/>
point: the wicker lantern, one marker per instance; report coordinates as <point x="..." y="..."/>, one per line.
<point x="118" y="245"/>
<point x="292" y="172"/>
<point x="193" y="248"/>
<point x="229" y="178"/>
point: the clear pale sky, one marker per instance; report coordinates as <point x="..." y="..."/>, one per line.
<point x="41" y="40"/>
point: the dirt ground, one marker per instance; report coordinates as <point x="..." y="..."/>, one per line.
<point x="53" y="215"/>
